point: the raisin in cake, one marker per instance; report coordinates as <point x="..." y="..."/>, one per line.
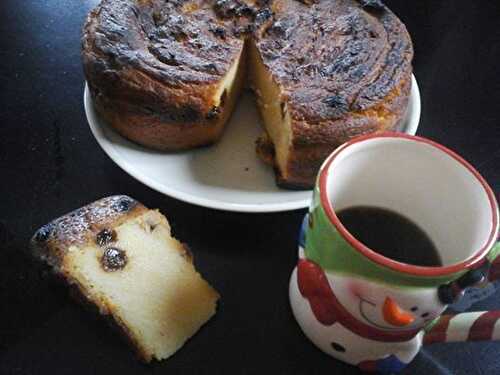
<point x="167" y="73"/>
<point x="121" y="257"/>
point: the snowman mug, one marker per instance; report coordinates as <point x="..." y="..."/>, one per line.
<point x="374" y="312"/>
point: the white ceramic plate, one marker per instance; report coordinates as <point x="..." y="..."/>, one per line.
<point x="226" y="176"/>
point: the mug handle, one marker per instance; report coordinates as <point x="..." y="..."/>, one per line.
<point x="462" y="327"/>
<point x="469" y="326"/>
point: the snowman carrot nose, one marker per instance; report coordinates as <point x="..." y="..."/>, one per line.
<point x="395" y="315"/>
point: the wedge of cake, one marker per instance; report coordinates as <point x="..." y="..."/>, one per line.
<point x="120" y="256"/>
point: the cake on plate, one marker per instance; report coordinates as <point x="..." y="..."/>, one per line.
<point x="167" y="73"/>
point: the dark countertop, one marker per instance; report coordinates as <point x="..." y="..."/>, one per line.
<point x="51" y="164"/>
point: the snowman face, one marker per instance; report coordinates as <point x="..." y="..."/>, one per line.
<point x="384" y="306"/>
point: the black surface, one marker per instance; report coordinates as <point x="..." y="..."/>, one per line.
<point x="50" y="164"/>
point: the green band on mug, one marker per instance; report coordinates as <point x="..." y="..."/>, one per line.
<point x="326" y="247"/>
<point x="494" y="252"/>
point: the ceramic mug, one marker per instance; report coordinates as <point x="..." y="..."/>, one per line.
<point x="375" y="312"/>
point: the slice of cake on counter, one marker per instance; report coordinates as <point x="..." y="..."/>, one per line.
<point x="122" y="258"/>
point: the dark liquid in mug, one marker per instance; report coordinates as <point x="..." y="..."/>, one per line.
<point x="390" y="234"/>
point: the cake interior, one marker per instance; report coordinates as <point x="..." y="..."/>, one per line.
<point x="227" y="91"/>
<point x="229" y="85"/>
<point x="272" y="109"/>
<point x="158" y="298"/>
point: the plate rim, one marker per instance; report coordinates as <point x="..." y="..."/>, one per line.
<point x="110" y="150"/>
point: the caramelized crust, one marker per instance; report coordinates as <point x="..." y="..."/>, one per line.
<point x="52" y="241"/>
<point x="334" y="58"/>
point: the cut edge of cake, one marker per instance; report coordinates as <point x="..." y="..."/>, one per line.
<point x="227" y="92"/>
<point x="272" y="108"/>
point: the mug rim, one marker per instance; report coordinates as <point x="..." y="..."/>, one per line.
<point x="411" y="269"/>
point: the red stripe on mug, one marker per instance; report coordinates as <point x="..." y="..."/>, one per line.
<point x="438" y="331"/>
<point x="483" y="327"/>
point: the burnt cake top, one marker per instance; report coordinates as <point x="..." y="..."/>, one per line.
<point x="90" y="222"/>
<point x="176" y="41"/>
<point x="335" y="56"/>
<point x="329" y="56"/>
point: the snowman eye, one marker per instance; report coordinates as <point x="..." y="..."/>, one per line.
<point x="414" y="308"/>
<point x="425" y="315"/>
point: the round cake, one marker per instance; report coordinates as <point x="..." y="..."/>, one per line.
<point x="167" y="73"/>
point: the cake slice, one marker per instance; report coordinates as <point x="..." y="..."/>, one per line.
<point x="121" y="257"/>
